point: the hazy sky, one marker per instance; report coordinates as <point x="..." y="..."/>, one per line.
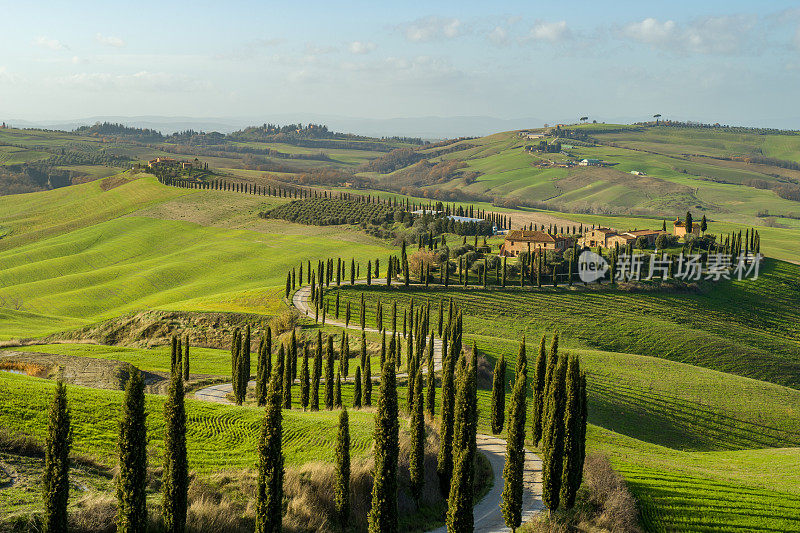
<point x="732" y="61"/>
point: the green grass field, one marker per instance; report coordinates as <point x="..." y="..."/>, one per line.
<point x="123" y="264"/>
<point x="745" y="327"/>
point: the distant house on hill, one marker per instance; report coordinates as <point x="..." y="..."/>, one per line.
<point x="518" y="241"/>
<point x="679" y="228"/>
<point x="590" y="163"/>
<point x="604" y="237"/>
<point x="169" y="162"/>
<point x="607" y="237"/>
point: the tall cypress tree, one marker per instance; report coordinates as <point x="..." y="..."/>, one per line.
<point x="304" y="384"/>
<point x="175" y="476"/>
<point x="132" y="449"/>
<point x="382" y="516"/>
<point x="552" y="364"/>
<point x="357" y="389"/>
<point x="368" y="382"/>
<point x="499" y="396"/>
<point x="341" y="489"/>
<point x="243" y="375"/>
<point x="459" y="502"/>
<point x="539" y="373"/>
<point x="293" y="355"/>
<point x="316" y="374"/>
<point x="573" y="433"/>
<point x="262" y="374"/>
<point x="186" y="360"/>
<point x="55" y="479"/>
<point x="430" y="399"/>
<point x="344" y="354"/>
<point x="553" y="438"/>
<point x="329" y="375"/>
<point x="337" y="394"/>
<point x="364" y="350"/>
<point x="417" y="455"/>
<point x="269" y="489"/>
<point x="444" y="463"/>
<point x="287" y="383"/>
<point x="514" y="467"/>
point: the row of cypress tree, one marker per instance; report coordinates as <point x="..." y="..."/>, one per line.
<point x="131" y="481"/>
<point x="558" y="427"/>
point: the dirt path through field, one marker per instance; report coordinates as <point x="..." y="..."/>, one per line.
<point x="487" y="513"/>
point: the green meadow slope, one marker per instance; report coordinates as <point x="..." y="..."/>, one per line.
<point x="129" y="263"/>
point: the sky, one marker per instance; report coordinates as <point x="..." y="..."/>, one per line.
<point x="732" y="62"/>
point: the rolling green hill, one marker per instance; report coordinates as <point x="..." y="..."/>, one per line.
<point x="685" y="168"/>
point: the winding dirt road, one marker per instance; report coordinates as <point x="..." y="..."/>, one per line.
<point x="487" y="513"/>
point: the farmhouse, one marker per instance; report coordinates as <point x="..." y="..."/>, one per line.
<point x="590" y="163"/>
<point x="679" y="228"/>
<point x="168" y="162"/>
<point x="604" y="237"/>
<point x="518" y="241"/>
<point x="607" y="237"/>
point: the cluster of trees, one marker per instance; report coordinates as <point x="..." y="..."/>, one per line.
<point x="111" y="129"/>
<point x="32" y="177"/>
<point x="426" y="173"/>
<point x="545" y="147"/>
<point x="341" y="210"/>
<point x="394" y="160"/>
<point x="311" y="135"/>
<point x="131" y="481"/>
<point x="558" y="427"/>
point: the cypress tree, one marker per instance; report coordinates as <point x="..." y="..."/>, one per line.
<point x="293" y="355"/>
<point x="316" y="374"/>
<point x="514" y="467"/>
<point x="444" y="463"/>
<point x="262" y="372"/>
<point x="174" y="353"/>
<point x="344" y="354"/>
<point x="341" y="489"/>
<point x="329" y="375"/>
<point x="382" y="516"/>
<point x="55" y="479"/>
<point x="430" y="406"/>
<point x="417" y="454"/>
<point x="573" y="433"/>
<point x="459" y="502"/>
<point x="269" y="489"/>
<point x="553" y="438"/>
<point x="132" y="448"/>
<point x="368" y="382"/>
<point x="338" y="391"/>
<point x="499" y="396"/>
<point x="279" y="369"/>
<point x="304" y="383"/>
<point x="552" y="363"/>
<point x="363" y="350"/>
<point x="357" y="389"/>
<point x="287" y="384"/>
<point x="175" y="476"/>
<point x="186" y="360"/>
<point x="243" y="368"/>
<point x="539" y="372"/>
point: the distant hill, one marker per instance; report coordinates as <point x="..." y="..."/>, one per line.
<point x="734" y="174"/>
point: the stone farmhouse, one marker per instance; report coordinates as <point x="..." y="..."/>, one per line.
<point x="679" y="228"/>
<point x="607" y="237"/>
<point x="518" y="241"/>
